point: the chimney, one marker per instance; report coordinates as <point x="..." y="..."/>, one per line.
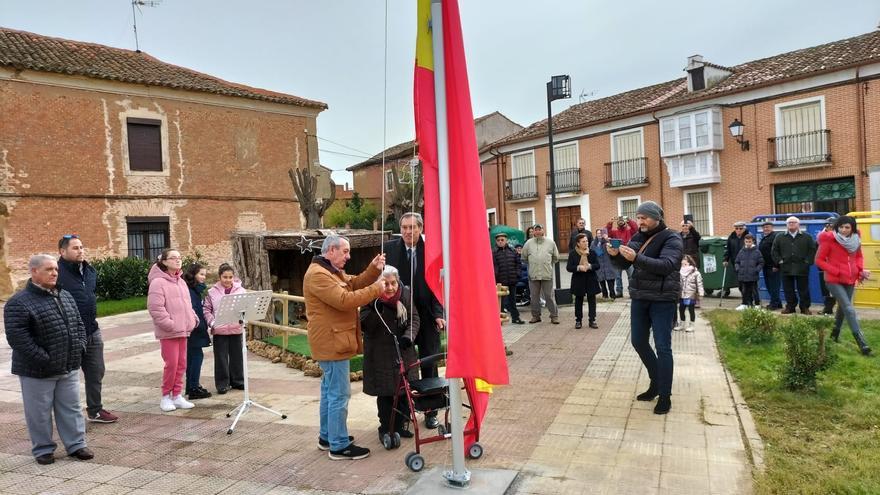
<point x="695" y="69"/>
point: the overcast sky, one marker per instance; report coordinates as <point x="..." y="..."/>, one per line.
<point x="333" y="50"/>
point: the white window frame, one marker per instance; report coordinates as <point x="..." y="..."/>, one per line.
<point x="534" y="167"/>
<point x="714" y="114"/>
<point x="577" y="156"/>
<point x="389" y="180"/>
<point x="143" y="113"/>
<point x="777" y="110"/>
<point x="519" y="219"/>
<point x="684" y="198"/>
<point x="621" y="199"/>
<point x="640" y="130"/>
<point x="490" y="211"/>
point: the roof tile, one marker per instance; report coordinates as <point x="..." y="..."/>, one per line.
<point x="28" y="51"/>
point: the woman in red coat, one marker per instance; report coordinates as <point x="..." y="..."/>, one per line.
<point x="840" y="257"/>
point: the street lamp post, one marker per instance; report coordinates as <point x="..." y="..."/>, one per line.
<point x="558" y="88"/>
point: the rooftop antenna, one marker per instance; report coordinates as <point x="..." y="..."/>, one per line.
<point x="585" y="95"/>
<point x="136" y="4"/>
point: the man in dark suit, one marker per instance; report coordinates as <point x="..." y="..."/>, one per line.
<point x="407" y="254"/>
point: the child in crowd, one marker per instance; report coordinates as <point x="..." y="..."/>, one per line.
<point x="691" y="291"/>
<point x="228" y="359"/>
<point x="749" y="263"/>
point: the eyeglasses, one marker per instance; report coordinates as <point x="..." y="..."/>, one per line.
<point x="173" y="258"/>
<point x="738" y="228"/>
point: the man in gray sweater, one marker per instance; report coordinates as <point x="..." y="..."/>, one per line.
<point x="541" y="255"/>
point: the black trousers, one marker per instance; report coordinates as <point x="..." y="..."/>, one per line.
<point x="748" y="292"/>
<point x="803" y="291"/>
<point x="384" y="405"/>
<point x="690" y="307"/>
<point x="510" y="303"/>
<point x="228" y="363"/>
<point x="607" y="287"/>
<point x="579" y="307"/>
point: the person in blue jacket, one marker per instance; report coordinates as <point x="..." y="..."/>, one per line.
<point x="195" y="275"/>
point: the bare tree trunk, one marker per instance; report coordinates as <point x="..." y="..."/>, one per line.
<point x="305" y="186"/>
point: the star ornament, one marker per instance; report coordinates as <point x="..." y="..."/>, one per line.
<point x="306" y="245"/>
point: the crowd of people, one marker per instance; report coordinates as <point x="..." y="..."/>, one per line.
<point x="388" y="314"/>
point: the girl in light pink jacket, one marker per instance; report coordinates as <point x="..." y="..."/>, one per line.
<point x="228" y="364"/>
<point x="170" y="307"/>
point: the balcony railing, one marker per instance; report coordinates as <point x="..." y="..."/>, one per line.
<point x="794" y="151"/>
<point x="626" y="173"/>
<point x="567" y="180"/>
<point x="521" y="188"/>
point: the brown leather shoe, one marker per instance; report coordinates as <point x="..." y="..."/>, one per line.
<point x="45" y="459"/>
<point x="787" y="311"/>
<point x="806" y="311"/>
<point x="83" y="454"/>
<point x="554" y="321"/>
<point x="535" y="320"/>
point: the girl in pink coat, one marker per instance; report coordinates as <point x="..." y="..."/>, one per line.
<point x="228" y="364"/>
<point x="170" y="307"/>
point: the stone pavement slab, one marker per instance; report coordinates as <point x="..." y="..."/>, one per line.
<point x="568" y="423"/>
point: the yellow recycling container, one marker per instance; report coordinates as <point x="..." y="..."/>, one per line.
<point x="867" y="295"/>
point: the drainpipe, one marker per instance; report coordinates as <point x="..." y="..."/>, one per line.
<point x="499" y="186"/>
<point x="863" y="149"/>
<point x="660" y="154"/>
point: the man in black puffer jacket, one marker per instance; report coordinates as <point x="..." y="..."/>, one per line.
<point x="48" y="338"/>
<point x="77" y="276"/>
<point x="507" y="267"/>
<point x="655" y="253"/>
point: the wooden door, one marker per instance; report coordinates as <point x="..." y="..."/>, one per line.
<point x="567" y="217"/>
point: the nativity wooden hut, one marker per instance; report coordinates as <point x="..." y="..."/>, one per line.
<point x="278" y="260"/>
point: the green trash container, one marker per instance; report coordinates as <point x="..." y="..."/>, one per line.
<point x="712" y="265"/>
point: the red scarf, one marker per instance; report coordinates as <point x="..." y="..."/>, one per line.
<point x="391" y="301"/>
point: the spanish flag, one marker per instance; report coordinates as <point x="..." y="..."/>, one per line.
<point x="475" y="349"/>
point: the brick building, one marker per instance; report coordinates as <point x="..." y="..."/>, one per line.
<point x="812" y="144"/>
<point x="135" y="154"/>
<point x="371" y="185"/>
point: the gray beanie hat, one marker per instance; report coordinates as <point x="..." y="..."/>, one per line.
<point x="651" y="209"/>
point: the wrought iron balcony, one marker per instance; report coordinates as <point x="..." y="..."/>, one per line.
<point x="626" y="173"/>
<point x="524" y="187"/>
<point x="567" y="180"/>
<point x="799" y="150"/>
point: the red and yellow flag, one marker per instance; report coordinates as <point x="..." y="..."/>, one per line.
<point x="475" y="349"/>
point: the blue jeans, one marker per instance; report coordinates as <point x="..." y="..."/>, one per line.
<point x="645" y="316"/>
<point x="771" y="280"/>
<point x="335" y="392"/>
<point x="618" y="282"/>
<point x="843" y="294"/>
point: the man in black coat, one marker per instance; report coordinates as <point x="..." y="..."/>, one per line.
<point x="77" y="276"/>
<point x="407" y="254"/>
<point x="581" y="229"/>
<point x="771" y="269"/>
<point x="655" y="253"/>
<point x="48" y="338"/>
<point x="507" y="267"/>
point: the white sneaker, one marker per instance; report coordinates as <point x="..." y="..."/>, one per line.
<point x="741" y="307"/>
<point x="181" y="403"/>
<point x="678" y="327"/>
<point x="689" y="327"/>
<point x="166" y="404"/>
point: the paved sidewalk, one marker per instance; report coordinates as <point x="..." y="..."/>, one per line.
<point x="568" y="423"/>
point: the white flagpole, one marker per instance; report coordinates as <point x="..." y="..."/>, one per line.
<point x="459" y="476"/>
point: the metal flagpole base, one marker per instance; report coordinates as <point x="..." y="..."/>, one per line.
<point x="245" y="407"/>
<point x="457" y="480"/>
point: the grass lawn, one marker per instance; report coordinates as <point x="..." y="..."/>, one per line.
<point x="300" y="345"/>
<point x="115" y="307"/>
<point x="815" y="443"/>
